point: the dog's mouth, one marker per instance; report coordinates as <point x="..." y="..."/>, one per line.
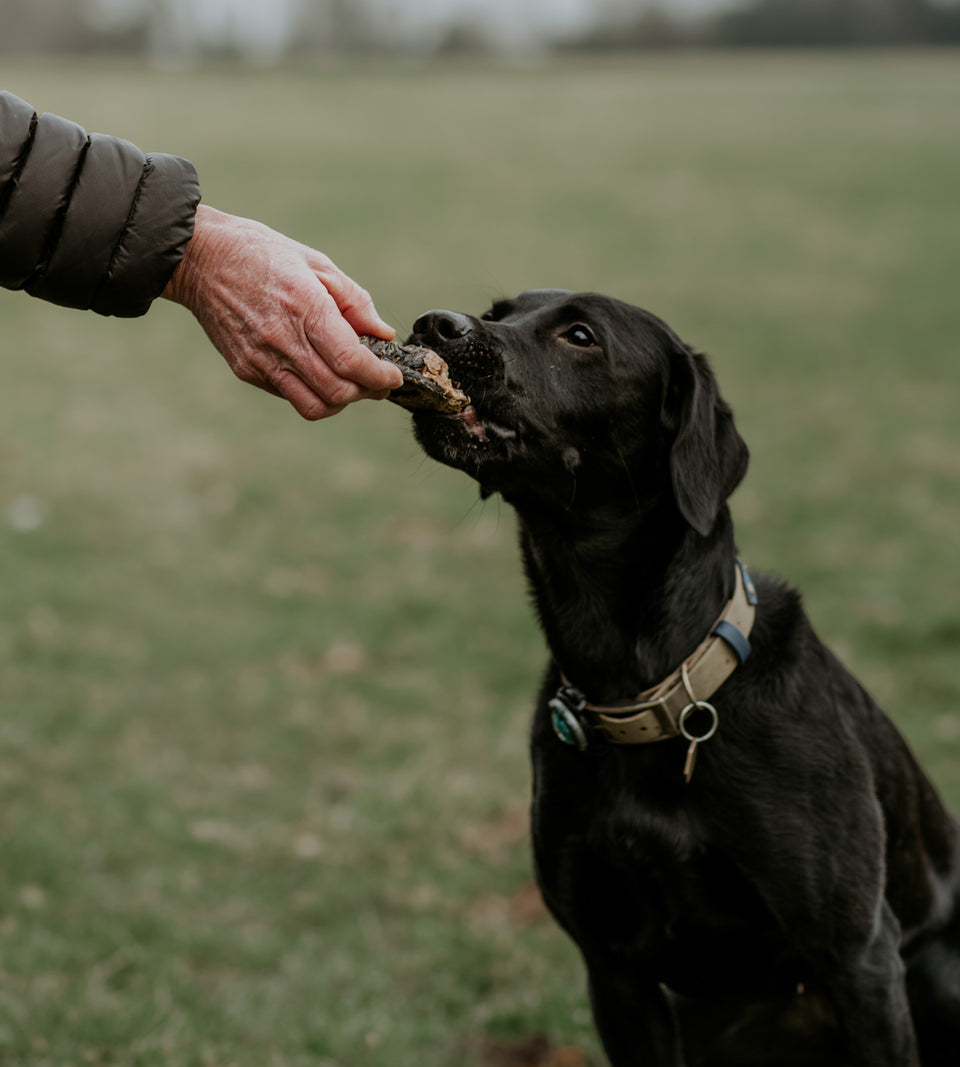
<point x="482" y="428"/>
<point x="472" y="439"/>
<point x="485" y="438"/>
<point x="475" y="367"/>
<point x="482" y="440"/>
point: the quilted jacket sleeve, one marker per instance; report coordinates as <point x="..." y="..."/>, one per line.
<point x="88" y="221"/>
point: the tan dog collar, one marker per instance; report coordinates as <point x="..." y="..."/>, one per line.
<point x="662" y="712"/>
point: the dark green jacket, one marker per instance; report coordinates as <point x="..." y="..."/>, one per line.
<point x="88" y="221"/>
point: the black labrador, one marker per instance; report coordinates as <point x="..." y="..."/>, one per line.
<point x="754" y="867"/>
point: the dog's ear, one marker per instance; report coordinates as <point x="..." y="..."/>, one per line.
<point x="708" y="458"/>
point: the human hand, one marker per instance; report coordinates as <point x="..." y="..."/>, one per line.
<point x="282" y="315"/>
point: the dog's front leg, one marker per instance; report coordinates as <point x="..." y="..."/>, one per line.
<point x="634" y="1020"/>
<point x="869" y="992"/>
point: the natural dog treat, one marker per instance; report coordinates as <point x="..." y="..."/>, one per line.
<point x="426" y="379"/>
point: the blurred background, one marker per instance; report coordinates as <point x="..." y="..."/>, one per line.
<point x="265" y="684"/>
<point x="249" y="28"/>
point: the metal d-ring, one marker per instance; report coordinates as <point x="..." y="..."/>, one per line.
<point x="695" y="705"/>
<point x="698" y="705"/>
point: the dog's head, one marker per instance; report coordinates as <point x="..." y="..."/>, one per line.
<point x="578" y="400"/>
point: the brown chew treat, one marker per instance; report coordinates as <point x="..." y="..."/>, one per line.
<point x="426" y="378"/>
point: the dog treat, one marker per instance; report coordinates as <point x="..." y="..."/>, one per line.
<point x="426" y="377"/>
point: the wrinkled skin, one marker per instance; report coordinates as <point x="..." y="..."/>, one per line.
<point x="795" y="904"/>
<point x="284" y="317"/>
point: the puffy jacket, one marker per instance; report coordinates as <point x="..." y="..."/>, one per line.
<point x="88" y="221"/>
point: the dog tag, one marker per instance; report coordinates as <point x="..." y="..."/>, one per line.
<point x="691" y="760"/>
<point x="696" y="739"/>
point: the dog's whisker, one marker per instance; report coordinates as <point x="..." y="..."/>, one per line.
<point x="629" y="474"/>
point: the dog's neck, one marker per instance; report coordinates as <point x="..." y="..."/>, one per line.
<point x="623" y="599"/>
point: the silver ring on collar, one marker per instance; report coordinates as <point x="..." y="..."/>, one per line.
<point x="698" y="705"/>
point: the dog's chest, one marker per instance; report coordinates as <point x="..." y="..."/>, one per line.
<point x="646" y="883"/>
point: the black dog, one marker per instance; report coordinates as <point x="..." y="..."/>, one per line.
<point x="772" y="880"/>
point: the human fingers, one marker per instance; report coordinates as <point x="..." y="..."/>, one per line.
<point x="310" y="405"/>
<point x="302" y="398"/>
<point x="309" y="384"/>
<point x="341" y="355"/>
<point x="354" y="302"/>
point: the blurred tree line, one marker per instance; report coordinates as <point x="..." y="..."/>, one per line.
<point x="777" y="23"/>
<point x="282" y="27"/>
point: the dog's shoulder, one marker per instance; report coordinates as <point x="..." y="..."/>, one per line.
<point x="782" y="632"/>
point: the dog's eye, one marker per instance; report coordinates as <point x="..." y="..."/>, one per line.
<point x="580" y="336"/>
<point x="496" y="312"/>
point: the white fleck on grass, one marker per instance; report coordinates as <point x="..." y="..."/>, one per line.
<point x="32" y="897"/>
<point x="26" y="513"/>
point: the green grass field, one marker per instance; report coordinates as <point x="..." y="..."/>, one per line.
<point x="264" y="684"/>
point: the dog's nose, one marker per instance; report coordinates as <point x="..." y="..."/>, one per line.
<point x="438" y="327"/>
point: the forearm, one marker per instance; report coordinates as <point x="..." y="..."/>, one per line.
<point x="91" y="222"/>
